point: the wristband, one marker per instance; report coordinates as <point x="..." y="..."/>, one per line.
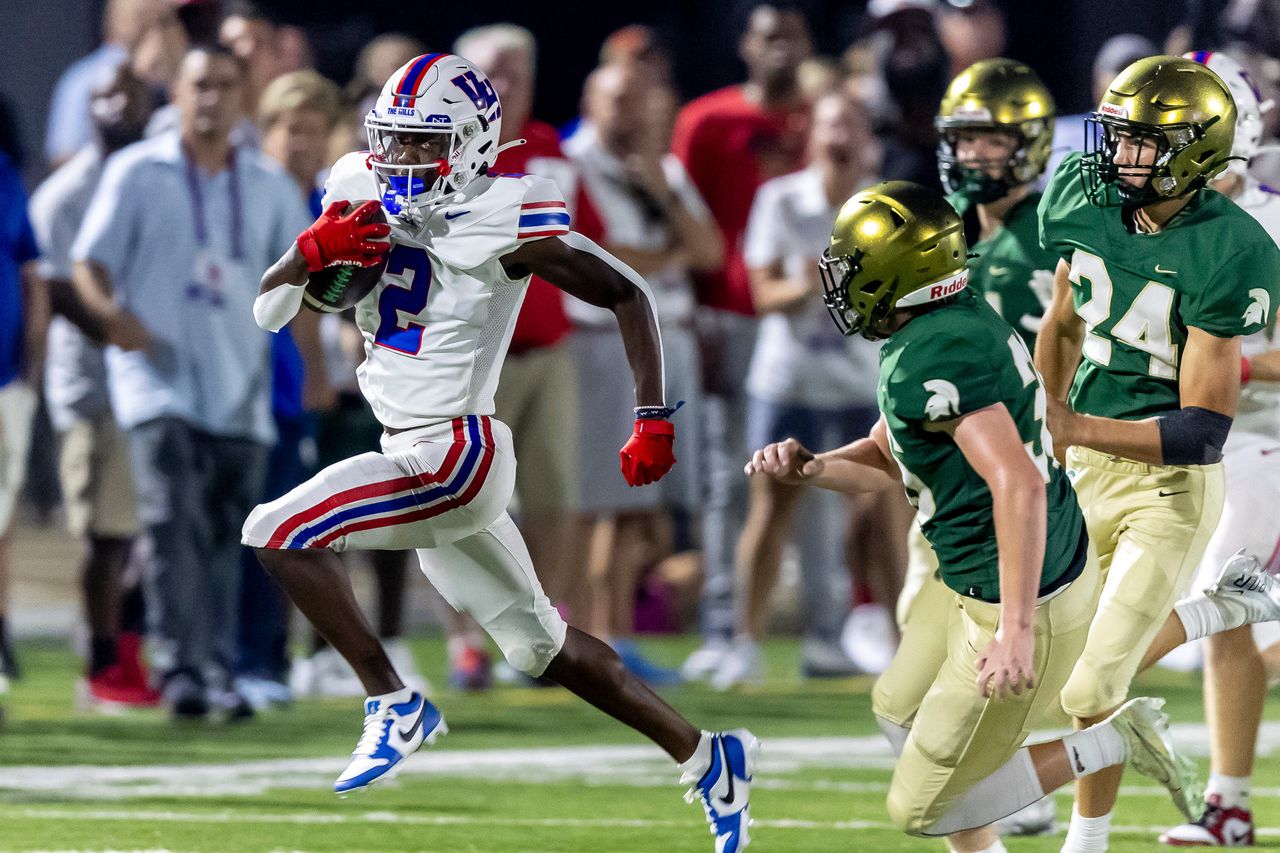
<point x="657" y="413"/>
<point x="1246" y="369"/>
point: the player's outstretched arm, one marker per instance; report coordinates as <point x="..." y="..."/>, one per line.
<point x="585" y="271"/>
<point x="861" y="466"/>
<point x="990" y="442"/>
<point x="1060" y="338"/>
<point x="1208" y="387"/>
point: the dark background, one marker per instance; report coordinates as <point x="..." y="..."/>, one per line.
<point x="1057" y="37"/>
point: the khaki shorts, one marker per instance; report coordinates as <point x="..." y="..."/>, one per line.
<point x="537" y="397"/>
<point x="1150" y="525"/>
<point x="959" y="738"/>
<point x="17" y="408"/>
<point x="97" y="482"/>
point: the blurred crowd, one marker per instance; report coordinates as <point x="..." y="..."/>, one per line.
<point x="188" y="150"/>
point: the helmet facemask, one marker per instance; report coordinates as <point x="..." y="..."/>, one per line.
<point x="855" y="312"/>
<point x="981" y="181"/>
<point x="407" y="191"/>
<point x="1105" y="180"/>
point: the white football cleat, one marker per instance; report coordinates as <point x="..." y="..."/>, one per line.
<point x="1246" y="590"/>
<point x="391" y="734"/>
<point x="705" y="660"/>
<point x="1145" y="729"/>
<point x="724" y="788"/>
<point x="744" y="664"/>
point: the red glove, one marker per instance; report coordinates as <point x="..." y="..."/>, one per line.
<point x="336" y="238"/>
<point x="648" y="454"/>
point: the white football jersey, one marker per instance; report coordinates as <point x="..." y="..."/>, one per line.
<point x="437" y="326"/>
<point x="1258" y="412"/>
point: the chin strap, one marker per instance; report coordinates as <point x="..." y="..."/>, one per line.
<point x="515" y="143"/>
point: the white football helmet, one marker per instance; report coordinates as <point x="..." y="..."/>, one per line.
<point x="1249" y="105"/>
<point x="436" y="93"/>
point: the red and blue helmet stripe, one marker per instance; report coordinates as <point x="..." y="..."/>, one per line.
<point x="407" y="88"/>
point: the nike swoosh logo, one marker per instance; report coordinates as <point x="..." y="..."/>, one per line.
<point x="1270" y="450"/>
<point x="1165" y="272"/>
<point x="1165" y="494"/>
<point x="998" y="270"/>
<point x="724" y="753"/>
<point x="417" y="724"/>
<point x="455" y="214"/>
<point x="1079" y="764"/>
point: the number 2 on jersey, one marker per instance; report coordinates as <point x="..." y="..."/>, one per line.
<point x="400" y="301"/>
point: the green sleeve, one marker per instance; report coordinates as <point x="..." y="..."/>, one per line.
<point x="1058" y="206"/>
<point x="944" y="377"/>
<point x="1242" y="296"/>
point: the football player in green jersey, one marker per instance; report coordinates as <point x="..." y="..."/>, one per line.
<point x="962" y="429"/>
<point x="995" y="126"/>
<point x="1158" y="280"/>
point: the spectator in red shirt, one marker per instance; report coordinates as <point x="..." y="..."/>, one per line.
<point x="731" y="141"/>
<point x="538" y="389"/>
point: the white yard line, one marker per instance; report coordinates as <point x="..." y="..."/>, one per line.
<point x="383" y="818"/>
<point x="641" y="766"/>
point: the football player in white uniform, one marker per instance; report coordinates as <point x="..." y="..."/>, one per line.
<point x="1239" y="661"/>
<point x="463" y="243"/>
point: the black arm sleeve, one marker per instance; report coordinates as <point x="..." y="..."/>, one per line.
<point x="1193" y="436"/>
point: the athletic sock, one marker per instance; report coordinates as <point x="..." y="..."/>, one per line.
<point x="1202" y="616"/>
<point x="404" y="694"/>
<point x="1232" y="791"/>
<point x="998" y="847"/>
<point x="1094" y="748"/>
<point x="1087" y="834"/>
<point x="695" y="766"/>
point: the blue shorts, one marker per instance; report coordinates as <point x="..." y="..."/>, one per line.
<point x="817" y="429"/>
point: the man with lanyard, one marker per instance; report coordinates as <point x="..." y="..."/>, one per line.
<point x="166" y="261"/>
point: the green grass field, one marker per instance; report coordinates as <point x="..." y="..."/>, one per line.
<point x="521" y="770"/>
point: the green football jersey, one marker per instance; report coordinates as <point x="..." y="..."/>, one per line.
<point x="1010" y="266"/>
<point x="1213" y="268"/>
<point x="944" y="364"/>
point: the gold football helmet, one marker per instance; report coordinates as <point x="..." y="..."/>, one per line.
<point x="1169" y="121"/>
<point x="894" y="245"/>
<point x="1000" y="95"/>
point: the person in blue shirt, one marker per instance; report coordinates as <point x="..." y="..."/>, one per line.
<point x="23" y="319"/>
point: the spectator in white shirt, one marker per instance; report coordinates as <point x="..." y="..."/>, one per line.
<point x="656" y="222"/>
<point x="805" y="380"/>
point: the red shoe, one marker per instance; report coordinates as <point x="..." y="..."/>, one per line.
<point x="1217" y="827"/>
<point x="470" y="670"/>
<point x="129" y="658"/>
<point x="112" y="686"/>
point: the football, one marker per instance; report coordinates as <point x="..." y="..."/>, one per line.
<point x="340" y="286"/>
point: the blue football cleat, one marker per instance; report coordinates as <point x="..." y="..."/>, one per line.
<point x="725" y="788"/>
<point x="391" y="734"/>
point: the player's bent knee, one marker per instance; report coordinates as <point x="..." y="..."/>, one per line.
<point x="905" y="813"/>
<point x="528" y="641"/>
<point x="1086" y="695"/>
